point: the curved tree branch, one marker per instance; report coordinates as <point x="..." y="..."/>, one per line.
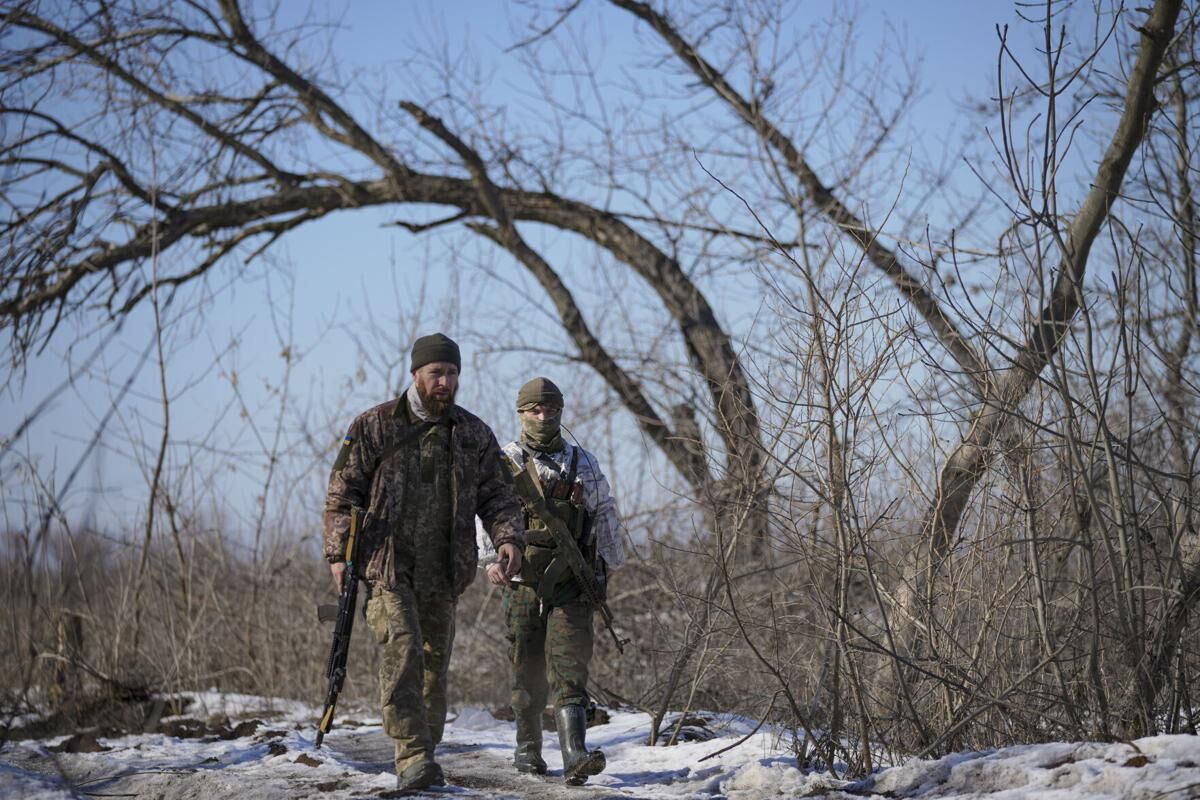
<point x="969" y="361"/>
<point x="692" y="465"/>
<point x="969" y="461"/>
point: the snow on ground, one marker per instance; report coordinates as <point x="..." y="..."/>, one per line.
<point x="276" y="759"/>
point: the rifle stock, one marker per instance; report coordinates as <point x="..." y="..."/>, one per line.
<point x="343" y="615"/>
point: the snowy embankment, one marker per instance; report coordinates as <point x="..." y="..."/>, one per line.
<point x="239" y="746"/>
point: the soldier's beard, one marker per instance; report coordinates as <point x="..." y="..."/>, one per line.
<point x="435" y="406"/>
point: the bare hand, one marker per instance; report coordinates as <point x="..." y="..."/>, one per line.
<point x="496" y="576"/>
<point x="339" y="572"/>
<point x="510" y="560"/>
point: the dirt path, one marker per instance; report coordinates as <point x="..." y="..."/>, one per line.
<point x="479" y="770"/>
<point x="353" y="764"/>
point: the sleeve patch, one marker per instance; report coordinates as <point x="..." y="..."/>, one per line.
<point x="343" y="454"/>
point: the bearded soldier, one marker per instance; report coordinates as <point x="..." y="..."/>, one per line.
<point x="549" y="619"/>
<point x="423" y="468"/>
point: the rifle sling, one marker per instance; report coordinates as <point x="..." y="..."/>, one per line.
<point x="560" y="562"/>
<point x="573" y="472"/>
<point x="554" y="571"/>
<point x="559" y="568"/>
<point x="405" y="438"/>
<point x="356" y="524"/>
<point x="531" y="455"/>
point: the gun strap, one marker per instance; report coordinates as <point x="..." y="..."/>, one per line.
<point x="573" y="471"/>
<point x="558" y="569"/>
<point x="356" y="515"/>
<point x="531" y="468"/>
<point x="532" y="455"/>
<point x="405" y="438"/>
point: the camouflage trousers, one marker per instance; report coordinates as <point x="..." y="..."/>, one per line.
<point x="416" y="632"/>
<point x="558" y="642"/>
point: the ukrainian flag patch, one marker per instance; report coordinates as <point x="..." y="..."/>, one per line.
<point x="343" y="453"/>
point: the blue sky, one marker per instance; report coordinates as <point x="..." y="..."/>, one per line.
<point x="338" y="265"/>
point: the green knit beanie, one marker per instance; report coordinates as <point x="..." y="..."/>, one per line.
<point x="432" y="348"/>
<point x="539" y="390"/>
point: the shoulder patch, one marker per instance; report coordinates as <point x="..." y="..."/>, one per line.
<point x="343" y="453"/>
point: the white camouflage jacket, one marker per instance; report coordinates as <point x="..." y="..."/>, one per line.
<point x="597" y="499"/>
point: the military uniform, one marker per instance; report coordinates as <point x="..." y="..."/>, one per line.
<point x="549" y="620"/>
<point x="422" y="483"/>
<point x="552" y="633"/>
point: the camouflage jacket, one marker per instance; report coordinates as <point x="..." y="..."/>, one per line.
<point x="480" y="486"/>
<point x="597" y="497"/>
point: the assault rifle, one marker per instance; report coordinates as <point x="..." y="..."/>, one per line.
<point x="343" y="613"/>
<point x="529" y="489"/>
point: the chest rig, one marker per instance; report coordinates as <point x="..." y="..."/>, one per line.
<point x="541" y="568"/>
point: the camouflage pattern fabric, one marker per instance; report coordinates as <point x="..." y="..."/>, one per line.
<point x="556" y="644"/>
<point x="551" y="643"/>
<point x="422" y="488"/>
<point x="370" y="472"/>
<point x="422" y="536"/>
<point x="416" y="633"/>
<point x="596" y="495"/>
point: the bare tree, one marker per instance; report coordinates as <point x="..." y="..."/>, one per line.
<point x="811" y="346"/>
<point x="87" y="242"/>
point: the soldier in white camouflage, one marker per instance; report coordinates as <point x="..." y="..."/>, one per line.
<point x="423" y="468"/>
<point x="549" y="621"/>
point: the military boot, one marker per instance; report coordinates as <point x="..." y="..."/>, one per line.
<point x="578" y="761"/>
<point x="420" y="775"/>
<point x="527" y="757"/>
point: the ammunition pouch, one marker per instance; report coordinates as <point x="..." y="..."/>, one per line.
<point x="533" y="565"/>
<point x="541" y="569"/>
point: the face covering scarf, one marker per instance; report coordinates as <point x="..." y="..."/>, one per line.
<point x="542" y="434"/>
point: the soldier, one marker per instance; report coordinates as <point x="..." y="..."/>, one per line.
<point x="423" y="468"/>
<point x="549" y="622"/>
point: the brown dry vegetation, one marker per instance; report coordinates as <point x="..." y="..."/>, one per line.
<point x="941" y="495"/>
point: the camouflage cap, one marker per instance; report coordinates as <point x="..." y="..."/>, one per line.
<point x="432" y="348"/>
<point x="539" y="390"/>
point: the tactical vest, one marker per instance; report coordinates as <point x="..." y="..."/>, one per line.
<point x="553" y="582"/>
